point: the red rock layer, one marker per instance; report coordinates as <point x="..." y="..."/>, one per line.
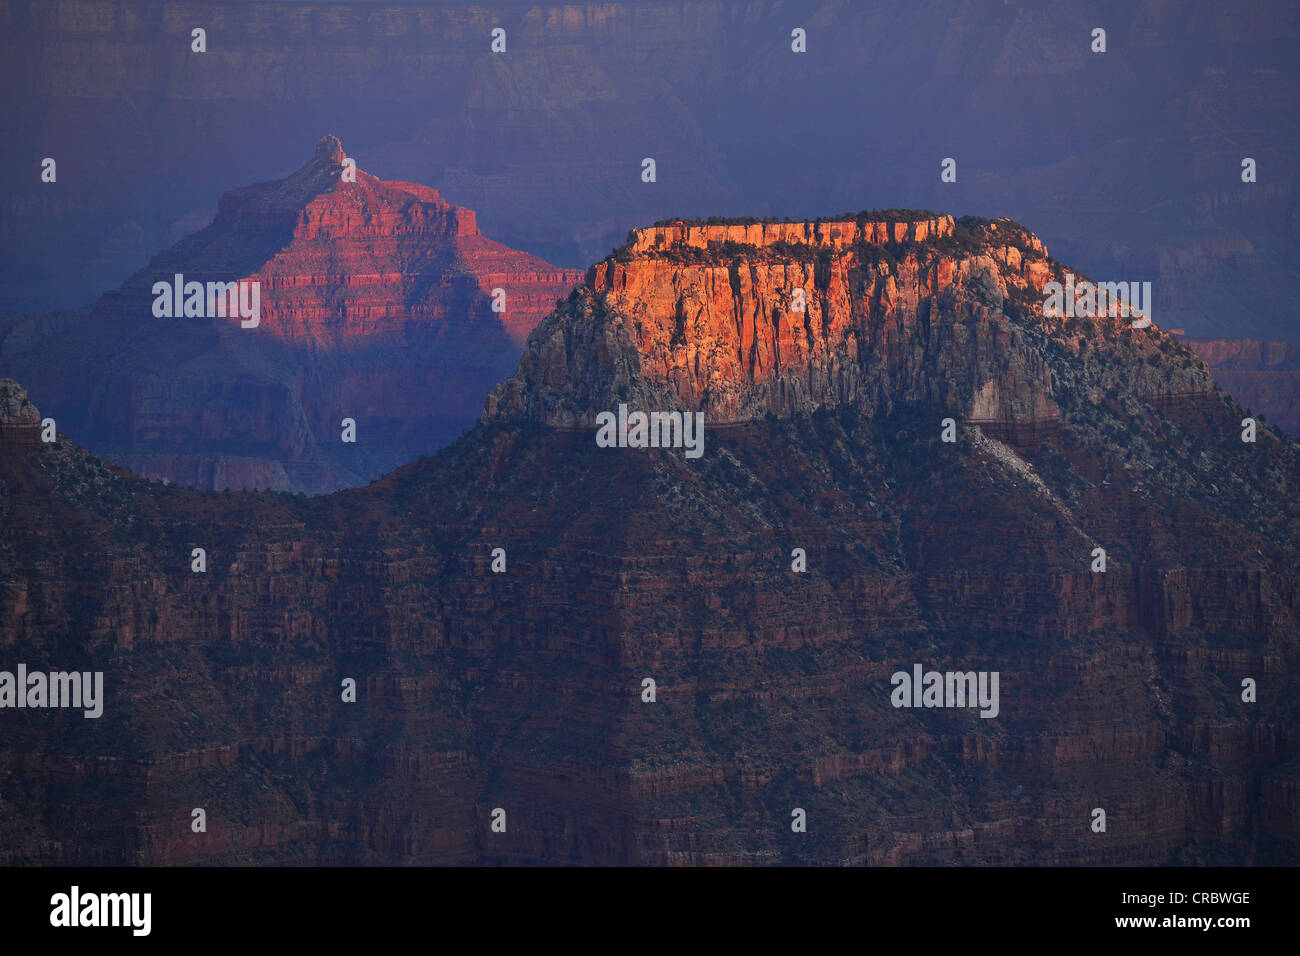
<point x="710" y="314"/>
<point x="1264" y="376"/>
<point x="376" y="304"/>
<point x="821" y="235"/>
<point x="522" y="690"/>
<point x="370" y="258"/>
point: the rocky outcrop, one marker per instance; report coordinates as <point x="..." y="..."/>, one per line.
<point x="746" y="320"/>
<point x="378" y="301"/>
<point x="367" y="261"/>
<point x="818" y="235"/>
<point x="20" y="422"/>
<point x="522" y="687"/>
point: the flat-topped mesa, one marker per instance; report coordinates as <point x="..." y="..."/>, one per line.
<point x="827" y="234"/>
<point x="1019" y="255"/>
<point x="745" y="319"/>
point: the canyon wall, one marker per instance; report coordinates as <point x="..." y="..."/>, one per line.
<point x="545" y="142"/>
<point x="521" y="687"/>
<point x="742" y="321"/>
<point x="378" y="302"/>
<point x="1264" y="376"/>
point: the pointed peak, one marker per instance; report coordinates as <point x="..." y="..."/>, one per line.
<point x="15" y="409"/>
<point x="330" y="150"/>
<point x="20" y="422"/>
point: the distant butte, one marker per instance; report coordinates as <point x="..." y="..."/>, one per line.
<point x="376" y="304"/>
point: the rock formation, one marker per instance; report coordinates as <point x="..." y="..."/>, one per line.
<point x="546" y="148"/>
<point x="20" y="423"/>
<point x="1264" y="376"/>
<point x="522" y="688"/>
<point x="375" y="304"/>
<point x="747" y="320"/>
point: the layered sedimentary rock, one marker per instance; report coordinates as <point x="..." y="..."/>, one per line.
<point x="746" y="320"/>
<point x="376" y="303"/>
<point x="545" y="141"/>
<point x="1264" y="376"/>
<point x="516" y="680"/>
<point x="817" y="235"/>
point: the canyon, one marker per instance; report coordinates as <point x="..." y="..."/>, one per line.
<point x="545" y="142"/>
<point x="1264" y="376"/>
<point x="375" y="302"/>
<point x="522" y="690"/>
